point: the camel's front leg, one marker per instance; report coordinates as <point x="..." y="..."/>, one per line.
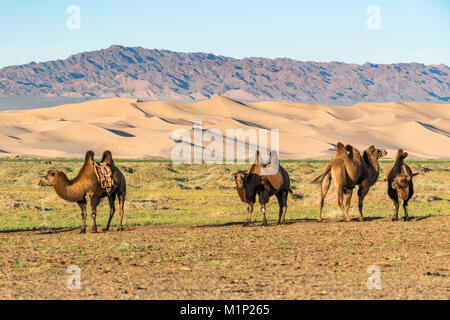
<point x="95" y="200"/>
<point x="405" y="208"/>
<point x="249" y="214"/>
<point x="263" y="211"/>
<point x="396" y="206"/>
<point x="362" y="193"/>
<point x="82" y="205"/>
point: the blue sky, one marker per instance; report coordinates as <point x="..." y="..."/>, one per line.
<point x="304" y="30"/>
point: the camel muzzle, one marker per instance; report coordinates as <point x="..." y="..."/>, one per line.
<point x="42" y="182"/>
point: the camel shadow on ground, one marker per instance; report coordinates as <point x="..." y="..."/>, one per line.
<point x="273" y="223"/>
<point x="41" y="230"/>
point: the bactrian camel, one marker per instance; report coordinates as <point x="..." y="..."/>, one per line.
<point x="350" y="171"/>
<point x="400" y="183"/>
<point x="86" y="186"/>
<point x="255" y="182"/>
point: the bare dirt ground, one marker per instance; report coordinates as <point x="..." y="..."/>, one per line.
<point x="301" y="260"/>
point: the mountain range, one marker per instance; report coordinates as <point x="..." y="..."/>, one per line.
<point x="136" y="72"/>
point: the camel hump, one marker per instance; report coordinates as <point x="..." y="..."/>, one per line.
<point x="258" y="157"/>
<point x="89" y="156"/>
<point x="107" y="157"/>
<point x="399" y="153"/>
<point x="340" y="148"/>
<point x="404" y="155"/>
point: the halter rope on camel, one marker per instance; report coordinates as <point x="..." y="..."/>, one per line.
<point x="46" y="227"/>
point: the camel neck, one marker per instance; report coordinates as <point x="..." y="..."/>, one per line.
<point x="242" y="194"/>
<point x="67" y="190"/>
<point x="375" y="167"/>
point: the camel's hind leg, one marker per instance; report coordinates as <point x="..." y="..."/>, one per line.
<point x="340" y="201"/>
<point x="82" y="204"/>
<point x="121" y="197"/>
<point x="325" y="186"/>
<point x="280" y="203"/>
<point x="284" y="196"/>
<point x="348" y="200"/>
<point x="112" y="210"/>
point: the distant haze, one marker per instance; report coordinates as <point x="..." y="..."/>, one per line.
<point x="173" y="76"/>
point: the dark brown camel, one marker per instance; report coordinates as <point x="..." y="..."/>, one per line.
<point x="368" y="177"/>
<point x="400" y="183"/>
<point x="345" y="169"/>
<point x="86" y="186"/>
<point x="119" y="189"/>
<point x="252" y="183"/>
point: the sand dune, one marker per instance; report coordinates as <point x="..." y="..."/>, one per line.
<point x="133" y="129"/>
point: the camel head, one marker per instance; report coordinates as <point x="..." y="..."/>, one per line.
<point x="401" y="184"/>
<point x="239" y="178"/>
<point x="50" y="179"/>
<point x="376" y="153"/>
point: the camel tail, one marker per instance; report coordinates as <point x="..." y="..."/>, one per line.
<point x="323" y="174"/>
<point x="415" y="174"/>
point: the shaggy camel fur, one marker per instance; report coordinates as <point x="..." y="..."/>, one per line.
<point x="84" y="185"/>
<point x="400" y="183"/>
<point x="370" y="174"/>
<point x="251" y="183"/>
<point x="368" y="178"/>
<point x="346" y="170"/>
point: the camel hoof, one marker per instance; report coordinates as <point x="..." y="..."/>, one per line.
<point x="83" y="231"/>
<point x="264" y="224"/>
<point x="120" y="229"/>
<point x="406" y="218"/>
<point x="94" y="230"/>
<point x="394" y="219"/>
<point x="105" y="229"/>
<point x="246" y="224"/>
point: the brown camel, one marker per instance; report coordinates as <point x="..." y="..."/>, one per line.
<point x="368" y="177"/>
<point x="86" y="185"/>
<point x="252" y="183"/>
<point x="400" y="183"/>
<point x="346" y="170"/>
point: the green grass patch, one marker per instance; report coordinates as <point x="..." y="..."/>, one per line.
<point x="161" y="193"/>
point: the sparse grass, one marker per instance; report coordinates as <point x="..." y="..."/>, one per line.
<point x="162" y="193"/>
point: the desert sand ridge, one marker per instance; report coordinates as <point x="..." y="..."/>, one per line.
<point x="134" y="129"/>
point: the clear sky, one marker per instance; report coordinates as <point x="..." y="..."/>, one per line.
<point x="317" y="30"/>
